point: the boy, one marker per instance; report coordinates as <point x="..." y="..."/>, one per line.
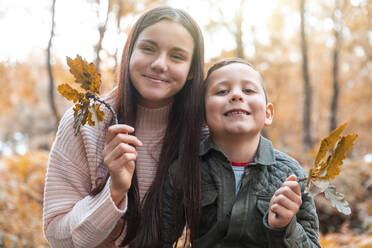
<point x="250" y="196"/>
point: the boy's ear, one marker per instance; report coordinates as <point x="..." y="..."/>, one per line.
<point x="269" y="114"/>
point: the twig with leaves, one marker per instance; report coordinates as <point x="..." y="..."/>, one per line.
<point x="86" y="99"/>
<point x="326" y="168"/>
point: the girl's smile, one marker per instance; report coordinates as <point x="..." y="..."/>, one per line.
<point x="160" y="62"/>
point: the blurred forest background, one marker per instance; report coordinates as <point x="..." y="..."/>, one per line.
<point x="315" y="57"/>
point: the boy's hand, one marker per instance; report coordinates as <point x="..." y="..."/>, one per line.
<point x="285" y="203"/>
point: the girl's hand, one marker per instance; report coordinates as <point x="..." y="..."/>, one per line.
<point x="285" y="203"/>
<point x="119" y="155"/>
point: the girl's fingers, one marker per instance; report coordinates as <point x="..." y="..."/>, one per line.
<point x="118" y="139"/>
<point x="123" y="160"/>
<point x="115" y="129"/>
<point x="117" y="152"/>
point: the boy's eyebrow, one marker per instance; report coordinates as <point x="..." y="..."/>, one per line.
<point x="179" y="49"/>
<point x="250" y="82"/>
<point x="229" y="81"/>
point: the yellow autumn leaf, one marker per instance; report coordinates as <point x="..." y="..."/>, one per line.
<point x="100" y="113"/>
<point x="86" y="75"/>
<point x="345" y="144"/>
<point x="328" y="143"/>
<point x="69" y="93"/>
<point x="90" y="120"/>
<point x="329" y="169"/>
<point x="76" y="109"/>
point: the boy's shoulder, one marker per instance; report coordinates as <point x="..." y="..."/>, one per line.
<point x="287" y="163"/>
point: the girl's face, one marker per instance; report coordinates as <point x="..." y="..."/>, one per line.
<point x="160" y="62"/>
<point x="235" y="102"/>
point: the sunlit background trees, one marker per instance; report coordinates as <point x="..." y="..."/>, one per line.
<point x="315" y="57"/>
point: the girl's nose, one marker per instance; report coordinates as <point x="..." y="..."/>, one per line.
<point x="160" y="63"/>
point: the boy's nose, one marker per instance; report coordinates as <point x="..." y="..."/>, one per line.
<point x="235" y="97"/>
<point x="160" y="63"/>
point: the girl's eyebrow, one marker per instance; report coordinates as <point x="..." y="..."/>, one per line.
<point x="149" y="41"/>
<point x="178" y="49"/>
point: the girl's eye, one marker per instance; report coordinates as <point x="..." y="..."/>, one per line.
<point x="147" y="49"/>
<point x="177" y="57"/>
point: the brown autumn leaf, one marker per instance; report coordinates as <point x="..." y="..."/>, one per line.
<point x="329" y="169"/>
<point x="324" y="171"/>
<point x="88" y="103"/>
<point x="69" y="93"/>
<point x="86" y="75"/>
<point x="328" y="143"/>
<point x="343" y="146"/>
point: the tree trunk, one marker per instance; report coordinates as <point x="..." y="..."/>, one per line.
<point x="335" y="70"/>
<point x="307" y="87"/>
<point x="101" y="30"/>
<point x="118" y="22"/>
<point x="239" y="33"/>
<point x="50" y="72"/>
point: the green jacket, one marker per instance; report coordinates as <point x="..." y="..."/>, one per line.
<point x="241" y="221"/>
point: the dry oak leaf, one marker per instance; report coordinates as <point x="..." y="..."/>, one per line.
<point x="329" y="169"/>
<point x="86" y="75"/>
<point x="70" y="93"/>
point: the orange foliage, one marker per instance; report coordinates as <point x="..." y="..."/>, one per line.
<point x="21" y="199"/>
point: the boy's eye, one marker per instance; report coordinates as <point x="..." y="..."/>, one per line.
<point x="221" y="92"/>
<point x="248" y="91"/>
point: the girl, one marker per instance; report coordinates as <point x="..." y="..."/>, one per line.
<point x="95" y="184"/>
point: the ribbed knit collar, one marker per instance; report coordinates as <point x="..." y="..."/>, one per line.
<point x="152" y="118"/>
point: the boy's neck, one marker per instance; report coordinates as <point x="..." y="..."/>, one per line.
<point x="238" y="148"/>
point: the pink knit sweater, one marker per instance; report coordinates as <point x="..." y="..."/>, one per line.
<point x="72" y="218"/>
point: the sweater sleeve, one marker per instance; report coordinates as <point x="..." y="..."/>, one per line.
<point x="71" y="217"/>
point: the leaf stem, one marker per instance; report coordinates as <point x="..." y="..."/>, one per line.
<point x="301" y="179"/>
<point x="91" y="96"/>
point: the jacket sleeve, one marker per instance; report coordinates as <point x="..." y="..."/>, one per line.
<point x="303" y="230"/>
<point x="169" y="234"/>
<point x="72" y="218"/>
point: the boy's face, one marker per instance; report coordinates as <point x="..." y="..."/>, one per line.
<point x="235" y="101"/>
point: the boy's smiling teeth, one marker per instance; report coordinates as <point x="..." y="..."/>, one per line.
<point x="236" y="112"/>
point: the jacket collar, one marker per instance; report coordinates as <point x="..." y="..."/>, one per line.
<point x="264" y="155"/>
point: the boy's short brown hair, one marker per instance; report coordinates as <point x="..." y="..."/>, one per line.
<point x="221" y="63"/>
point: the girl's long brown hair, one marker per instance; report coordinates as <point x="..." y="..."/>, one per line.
<point x="181" y="140"/>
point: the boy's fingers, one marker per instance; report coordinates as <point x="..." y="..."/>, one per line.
<point x="290" y="204"/>
<point x="291" y="178"/>
<point x="292" y="183"/>
<point x="289" y="194"/>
